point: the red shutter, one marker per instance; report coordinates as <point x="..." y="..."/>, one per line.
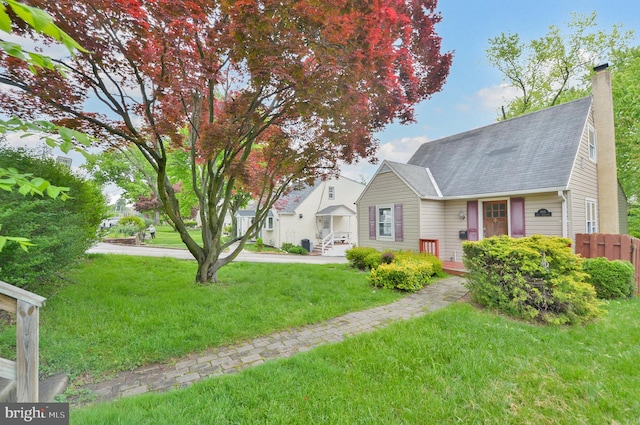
<point x="372" y="222"/>
<point x="397" y="219"/>
<point x="472" y="220"/>
<point x="517" y="218"/>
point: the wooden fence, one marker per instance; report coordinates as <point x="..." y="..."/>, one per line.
<point x="612" y="247"/>
<point x="26" y="306"/>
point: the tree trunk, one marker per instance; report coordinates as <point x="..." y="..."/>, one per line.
<point x="207" y="273"/>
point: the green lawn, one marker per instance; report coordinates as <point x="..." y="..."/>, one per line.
<point x="457" y="365"/>
<point x="122" y="312"/>
<point x="166" y="237"/>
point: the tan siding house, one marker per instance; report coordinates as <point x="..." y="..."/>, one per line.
<point x="534" y="174"/>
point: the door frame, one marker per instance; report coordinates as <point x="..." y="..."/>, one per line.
<point x="481" y="214"/>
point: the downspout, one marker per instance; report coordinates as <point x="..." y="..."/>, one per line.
<point x="565" y="218"/>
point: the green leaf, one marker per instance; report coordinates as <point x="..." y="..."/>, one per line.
<point x="5" y="21"/>
<point x="3" y="241"/>
<point x="12" y="49"/>
<point x="53" y="191"/>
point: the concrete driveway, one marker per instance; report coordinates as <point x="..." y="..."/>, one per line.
<point x="253" y="257"/>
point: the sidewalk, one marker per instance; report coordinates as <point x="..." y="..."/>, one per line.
<point x="150" y="251"/>
<point x="231" y="359"/>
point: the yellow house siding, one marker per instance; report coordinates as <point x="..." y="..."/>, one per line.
<point x="387" y="189"/>
<point x="550" y="226"/>
<point x="451" y="245"/>
<point x="583" y="184"/>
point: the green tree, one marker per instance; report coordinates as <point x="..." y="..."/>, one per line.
<point x="60" y="230"/>
<point x="626" y="109"/>
<point x="556" y="67"/>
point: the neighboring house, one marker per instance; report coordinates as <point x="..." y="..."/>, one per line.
<point x="322" y="215"/>
<point x="549" y="172"/>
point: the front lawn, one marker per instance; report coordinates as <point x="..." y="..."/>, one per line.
<point x="457" y="365"/>
<point x="117" y="312"/>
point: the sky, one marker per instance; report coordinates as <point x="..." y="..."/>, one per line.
<point x="474" y="90"/>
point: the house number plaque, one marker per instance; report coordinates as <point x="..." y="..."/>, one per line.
<point x="543" y="212"/>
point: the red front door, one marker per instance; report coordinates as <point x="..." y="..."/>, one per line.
<point x="495" y="218"/>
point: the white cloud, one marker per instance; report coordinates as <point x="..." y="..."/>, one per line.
<point x="398" y="150"/>
<point x="494" y="97"/>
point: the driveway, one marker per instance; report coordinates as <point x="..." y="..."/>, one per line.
<point x="253" y="257"/>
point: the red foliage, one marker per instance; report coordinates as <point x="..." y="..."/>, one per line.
<point x="264" y="91"/>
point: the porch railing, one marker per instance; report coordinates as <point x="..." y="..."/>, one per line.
<point x="328" y="242"/>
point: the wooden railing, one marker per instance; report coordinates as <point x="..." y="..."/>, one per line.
<point x="431" y="246"/>
<point x="26" y="306"/>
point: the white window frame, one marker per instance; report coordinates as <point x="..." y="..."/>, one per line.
<point x="388" y="222"/>
<point x="332" y="192"/>
<point x="590" y="215"/>
<point x="593" y="144"/>
<point x="269" y="224"/>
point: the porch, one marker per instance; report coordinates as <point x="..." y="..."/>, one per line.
<point x="335" y="235"/>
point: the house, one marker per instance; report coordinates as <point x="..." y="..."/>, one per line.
<point x="321" y="215"/>
<point x="550" y="172"/>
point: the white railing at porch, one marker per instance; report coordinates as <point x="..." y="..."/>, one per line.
<point x="329" y="241"/>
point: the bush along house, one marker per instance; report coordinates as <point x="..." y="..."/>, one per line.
<point x="550" y="172"/>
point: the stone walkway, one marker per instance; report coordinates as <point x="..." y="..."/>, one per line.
<point x="231" y="359"/>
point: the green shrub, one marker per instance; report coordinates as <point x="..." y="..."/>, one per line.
<point x="535" y="278"/>
<point x="259" y="245"/>
<point x="357" y="256"/>
<point x="122" y="231"/>
<point x="373" y="260"/>
<point x="133" y="221"/>
<point x="287" y="246"/>
<point x="408" y="272"/>
<point x="61" y="230"/>
<point x="611" y="279"/>
<point x="298" y="250"/>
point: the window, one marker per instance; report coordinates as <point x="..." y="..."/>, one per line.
<point x="591" y="216"/>
<point x="385" y="222"/>
<point x="269" y="225"/>
<point x="593" y="153"/>
<point x="332" y="192"/>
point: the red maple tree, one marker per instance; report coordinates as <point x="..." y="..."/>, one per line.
<point x="262" y="93"/>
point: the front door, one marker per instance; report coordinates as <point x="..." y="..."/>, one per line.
<point x="495" y="218"/>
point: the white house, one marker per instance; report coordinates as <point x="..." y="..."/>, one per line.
<point x="321" y="217"/>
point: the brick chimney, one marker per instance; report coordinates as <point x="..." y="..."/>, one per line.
<point x="606" y="150"/>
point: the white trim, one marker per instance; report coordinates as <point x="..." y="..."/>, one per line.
<point x="391" y="236"/>
<point x="434" y="183"/>
<point x="481" y="214"/>
<point x="591" y="130"/>
<point x="594" y="202"/>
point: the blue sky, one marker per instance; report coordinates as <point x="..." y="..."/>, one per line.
<point x="472" y="94"/>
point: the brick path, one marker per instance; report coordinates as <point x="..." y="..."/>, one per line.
<point x="230" y="359"/>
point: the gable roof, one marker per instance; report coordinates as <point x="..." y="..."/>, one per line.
<point x="419" y="179"/>
<point x="529" y="153"/>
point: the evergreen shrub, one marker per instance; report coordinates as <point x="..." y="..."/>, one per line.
<point x="537" y="278"/>
<point x="611" y="279"/>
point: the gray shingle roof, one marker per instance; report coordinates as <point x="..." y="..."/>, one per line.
<point x="289" y="202"/>
<point x="528" y="153"/>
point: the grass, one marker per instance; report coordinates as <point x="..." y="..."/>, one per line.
<point x="123" y="312"/>
<point x="166" y="237"/>
<point x="456" y="365"/>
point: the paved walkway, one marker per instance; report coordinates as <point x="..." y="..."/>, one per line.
<point x="231" y="359"/>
